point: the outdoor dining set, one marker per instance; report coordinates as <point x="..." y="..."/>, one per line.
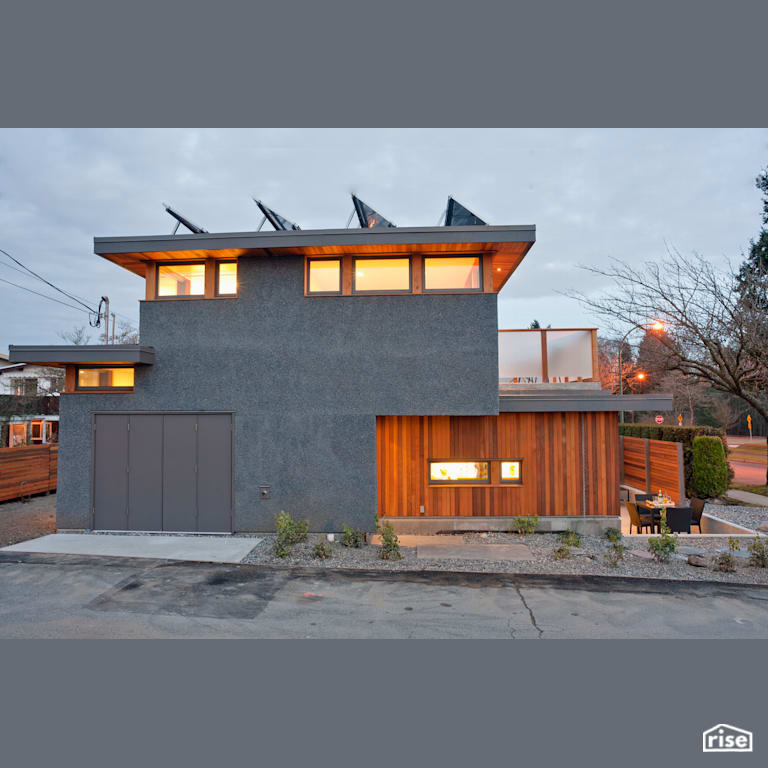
<point x="645" y="513"/>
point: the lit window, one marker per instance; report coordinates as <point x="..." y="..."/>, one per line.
<point x="105" y="378"/>
<point x="36" y="431"/>
<point x="511" y="472"/>
<point x="382" y="275"/>
<point x="324" y="276"/>
<point x="452" y="273"/>
<point x="181" y="280"/>
<point x="17" y="435"/>
<point x="458" y="471"/>
<point x="226" y="278"/>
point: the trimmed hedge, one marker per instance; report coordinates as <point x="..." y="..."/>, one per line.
<point x="710" y="467"/>
<point x="684" y="435"/>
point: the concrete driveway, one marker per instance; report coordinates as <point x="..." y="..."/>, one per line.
<point x="66" y="596"/>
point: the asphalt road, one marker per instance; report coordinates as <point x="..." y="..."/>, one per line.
<point x="67" y="596"/>
<point x="748" y="472"/>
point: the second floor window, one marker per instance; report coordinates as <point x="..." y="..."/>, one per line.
<point x="25" y="387"/>
<point x="226" y="278"/>
<point x="105" y="378"/>
<point x="323" y="276"/>
<point x="180" y="280"/>
<point x="382" y="275"/>
<point x="452" y="273"/>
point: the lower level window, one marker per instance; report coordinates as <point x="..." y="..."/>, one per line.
<point x="458" y="471"/>
<point x="105" y="378"/>
<point x="17" y="435"/>
<point x="511" y="472"/>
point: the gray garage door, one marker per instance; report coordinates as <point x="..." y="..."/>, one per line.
<point x="163" y="472"/>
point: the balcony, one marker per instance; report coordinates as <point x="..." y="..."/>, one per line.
<point x="548" y="358"/>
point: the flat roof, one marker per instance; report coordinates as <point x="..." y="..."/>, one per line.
<point x="508" y="245"/>
<point x="73" y="354"/>
<point x="580" y="400"/>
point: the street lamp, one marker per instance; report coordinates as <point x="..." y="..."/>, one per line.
<point x="656" y="325"/>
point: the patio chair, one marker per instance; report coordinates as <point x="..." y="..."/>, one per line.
<point x="643" y="496"/>
<point x="697" y="509"/>
<point x="679" y="519"/>
<point x="638" y="519"/>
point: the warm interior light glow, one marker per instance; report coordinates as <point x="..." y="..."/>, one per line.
<point x="457" y="471"/>
<point x="227" y="279"/>
<point x="452" y="273"/>
<point x="104" y="378"/>
<point x="382" y="274"/>
<point x="181" y="280"/>
<point x="324" y="276"/>
<point x="510" y="471"/>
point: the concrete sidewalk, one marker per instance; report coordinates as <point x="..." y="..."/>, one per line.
<point x="203" y="549"/>
<point x="748" y="498"/>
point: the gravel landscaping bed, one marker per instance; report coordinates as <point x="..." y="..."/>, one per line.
<point x="20" y="521"/>
<point x="590" y="558"/>
<point x="749" y="517"/>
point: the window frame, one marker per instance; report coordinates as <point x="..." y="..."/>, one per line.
<point x="195" y="262"/>
<point x="216" y="292"/>
<point x="309" y="260"/>
<point x="504" y="481"/>
<point x="15" y="426"/>
<point x="454" y="460"/>
<point x="378" y="291"/>
<point x="481" y="267"/>
<point x="78" y="388"/>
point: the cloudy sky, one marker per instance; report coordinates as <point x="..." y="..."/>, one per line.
<point x="591" y="194"/>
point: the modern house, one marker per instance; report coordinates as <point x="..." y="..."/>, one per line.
<point x="335" y="374"/>
<point x="29" y="405"/>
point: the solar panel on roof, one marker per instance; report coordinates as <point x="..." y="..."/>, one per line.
<point x="183" y="220"/>
<point x="457" y="215"/>
<point x="367" y="216"/>
<point x="275" y="219"/>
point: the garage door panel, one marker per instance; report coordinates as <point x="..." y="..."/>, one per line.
<point x="110" y="477"/>
<point x="214" y="472"/>
<point x="145" y="476"/>
<point x="179" y="481"/>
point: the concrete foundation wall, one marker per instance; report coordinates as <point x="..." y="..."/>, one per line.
<point x="305" y="378"/>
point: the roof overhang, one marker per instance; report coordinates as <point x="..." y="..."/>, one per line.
<point x="507" y="244"/>
<point x="86" y="354"/>
<point x="583" y="401"/>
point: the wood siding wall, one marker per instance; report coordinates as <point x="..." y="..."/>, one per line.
<point x="26" y="470"/>
<point x="570" y="464"/>
<point x="651" y="465"/>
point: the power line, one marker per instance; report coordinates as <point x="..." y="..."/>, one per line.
<point x="50" y="298"/>
<point x="47" y="282"/>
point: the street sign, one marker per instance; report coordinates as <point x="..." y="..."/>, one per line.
<point x="659" y="419"/>
<point x="680" y="419"/>
<point x="749" y="424"/>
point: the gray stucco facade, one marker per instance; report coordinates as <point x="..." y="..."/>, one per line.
<point x="305" y="378"/>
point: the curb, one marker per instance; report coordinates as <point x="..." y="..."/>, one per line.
<point x="587" y="582"/>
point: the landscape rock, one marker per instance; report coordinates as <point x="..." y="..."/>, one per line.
<point x="641" y="554"/>
<point x="763" y="528"/>
<point x="698" y="561"/>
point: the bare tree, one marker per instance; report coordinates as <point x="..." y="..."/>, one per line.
<point x="687" y="392"/>
<point x="126" y="333"/>
<point x="716" y="331"/>
<point x="77" y="336"/>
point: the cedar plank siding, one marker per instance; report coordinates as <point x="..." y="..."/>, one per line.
<point x="27" y="469"/>
<point x="570" y="464"/>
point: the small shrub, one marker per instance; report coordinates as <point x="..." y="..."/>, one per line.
<point x="613" y="535"/>
<point x="390" y="544"/>
<point x="758" y="553"/>
<point x="724" y="562"/>
<point x="616" y="554"/>
<point x="664" y="546"/>
<point x="352" y="537"/>
<point x="322" y="550"/>
<point x="710" y="467"/>
<point x="570" y="538"/>
<point x="561" y="552"/>
<point x="288" y="532"/>
<point x="525" y="526"/>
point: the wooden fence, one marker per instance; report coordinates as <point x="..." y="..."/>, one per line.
<point x="653" y="465"/>
<point x="27" y="470"/>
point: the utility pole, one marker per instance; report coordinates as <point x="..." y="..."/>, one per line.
<point x="105" y="299"/>
<point x="113" y="327"/>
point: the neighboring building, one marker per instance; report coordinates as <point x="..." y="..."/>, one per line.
<point x="29" y="405"/>
<point x="334" y="374"/>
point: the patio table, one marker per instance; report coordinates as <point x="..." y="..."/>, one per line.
<point x="655" y="506"/>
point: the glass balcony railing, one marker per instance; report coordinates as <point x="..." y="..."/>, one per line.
<point x="547" y="356"/>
